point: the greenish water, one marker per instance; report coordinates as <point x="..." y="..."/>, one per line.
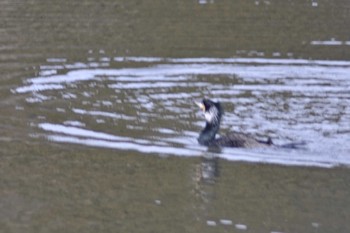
<point x="99" y="130"/>
<point x="48" y="188"/>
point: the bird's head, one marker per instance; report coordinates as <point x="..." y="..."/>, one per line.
<point x="212" y="111"/>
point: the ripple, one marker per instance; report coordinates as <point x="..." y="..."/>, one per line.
<point x="38" y="88"/>
<point x="98" y="139"/>
<point x="149" y="107"/>
<point x="104" y="114"/>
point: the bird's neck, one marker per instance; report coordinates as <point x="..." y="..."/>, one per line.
<point x="208" y="133"/>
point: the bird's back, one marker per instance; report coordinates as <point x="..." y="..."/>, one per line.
<point x="234" y="139"/>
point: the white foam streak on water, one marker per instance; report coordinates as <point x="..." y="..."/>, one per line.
<point x="283" y="88"/>
<point x="74" y="123"/>
<point x="76" y="135"/>
<point x="283" y="158"/>
<point x="148" y="78"/>
<point x="75" y="131"/>
<point x="89" y="137"/>
<point x="243" y="71"/>
<point x="38" y="88"/>
<point x="56" y="60"/>
<point x="239" y="155"/>
<point x="140" y="85"/>
<point x="329" y="42"/>
<point x="161" y="150"/>
<point x="104" y="114"/>
<point x="235" y="60"/>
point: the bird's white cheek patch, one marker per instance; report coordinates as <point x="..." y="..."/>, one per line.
<point x="208" y="116"/>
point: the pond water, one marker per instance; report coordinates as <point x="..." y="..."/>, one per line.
<point x="149" y="107"/>
<point x="99" y="126"/>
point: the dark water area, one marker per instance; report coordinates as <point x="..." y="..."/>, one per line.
<point x="99" y="126"/>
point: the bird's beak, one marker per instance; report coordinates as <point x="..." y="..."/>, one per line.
<point x="201" y="106"/>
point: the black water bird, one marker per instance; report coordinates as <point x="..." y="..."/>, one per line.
<point x="213" y="112"/>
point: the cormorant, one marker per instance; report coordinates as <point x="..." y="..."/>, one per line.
<point x="213" y="113"/>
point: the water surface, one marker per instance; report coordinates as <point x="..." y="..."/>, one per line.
<point x="99" y="127"/>
<point x="150" y="107"/>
